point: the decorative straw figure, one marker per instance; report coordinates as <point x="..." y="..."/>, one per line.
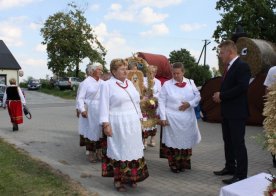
<point x="149" y="102"/>
<point x="270" y="120"/>
<point x="270" y="131"/>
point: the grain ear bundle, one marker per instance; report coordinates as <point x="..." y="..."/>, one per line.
<point x="270" y="120"/>
<point x="137" y="78"/>
<point x="148" y="108"/>
<point x="141" y="64"/>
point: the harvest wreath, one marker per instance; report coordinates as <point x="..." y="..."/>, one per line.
<point x="148" y="103"/>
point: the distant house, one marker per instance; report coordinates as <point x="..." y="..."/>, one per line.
<point x="9" y="67"/>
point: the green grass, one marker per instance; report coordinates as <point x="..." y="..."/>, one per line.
<point x="22" y="175"/>
<point x="66" y="94"/>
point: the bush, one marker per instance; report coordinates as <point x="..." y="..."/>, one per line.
<point x="68" y="94"/>
<point x="23" y="85"/>
<point x="46" y="84"/>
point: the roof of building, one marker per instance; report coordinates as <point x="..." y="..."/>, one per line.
<point x="7" y="60"/>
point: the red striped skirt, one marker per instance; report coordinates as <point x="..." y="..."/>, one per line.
<point x="15" y="111"/>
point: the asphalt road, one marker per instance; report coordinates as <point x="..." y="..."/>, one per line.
<point x="52" y="136"/>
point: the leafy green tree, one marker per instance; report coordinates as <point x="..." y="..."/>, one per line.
<point x="183" y="56"/>
<point x="30" y="78"/>
<point x="71" y="73"/>
<point x="70" y="39"/>
<point x="198" y="73"/>
<point x="257" y="17"/>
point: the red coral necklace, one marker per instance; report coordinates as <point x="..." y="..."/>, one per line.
<point x="124" y="87"/>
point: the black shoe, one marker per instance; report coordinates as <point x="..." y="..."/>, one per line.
<point x="15" y="127"/>
<point x="273" y="160"/>
<point x="232" y="180"/>
<point x="224" y="171"/>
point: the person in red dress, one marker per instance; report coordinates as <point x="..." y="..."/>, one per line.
<point x="14" y="99"/>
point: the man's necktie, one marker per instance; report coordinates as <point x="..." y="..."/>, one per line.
<point x="180" y="84"/>
<point x="225" y="71"/>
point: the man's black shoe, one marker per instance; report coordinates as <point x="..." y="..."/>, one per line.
<point x="232" y="180"/>
<point x="224" y="171"/>
<point x="273" y="160"/>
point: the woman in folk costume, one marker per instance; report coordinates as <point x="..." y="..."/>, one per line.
<point x="120" y="116"/>
<point x="83" y="122"/>
<point x="14" y="99"/>
<point x="88" y="100"/>
<point x="155" y="90"/>
<point x="177" y="100"/>
<point x="95" y="130"/>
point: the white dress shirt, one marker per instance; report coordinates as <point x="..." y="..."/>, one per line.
<point x="271" y="77"/>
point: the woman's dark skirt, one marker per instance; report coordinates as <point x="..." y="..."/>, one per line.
<point x="177" y="158"/>
<point x="123" y="171"/>
<point x="90" y="145"/>
<point x="82" y="140"/>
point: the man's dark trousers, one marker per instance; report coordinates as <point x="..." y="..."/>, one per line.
<point x="233" y="132"/>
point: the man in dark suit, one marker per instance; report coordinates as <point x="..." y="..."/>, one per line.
<point x="234" y="111"/>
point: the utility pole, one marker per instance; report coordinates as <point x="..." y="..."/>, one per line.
<point x="206" y="42"/>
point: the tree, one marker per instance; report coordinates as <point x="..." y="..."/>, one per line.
<point x="72" y="73"/>
<point x="198" y="73"/>
<point x="30" y="78"/>
<point x="70" y="39"/>
<point x="183" y="56"/>
<point x="257" y="17"/>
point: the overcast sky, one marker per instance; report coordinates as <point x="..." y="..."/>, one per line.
<point x="123" y="27"/>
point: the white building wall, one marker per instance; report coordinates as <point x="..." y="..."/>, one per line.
<point x="9" y="74"/>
